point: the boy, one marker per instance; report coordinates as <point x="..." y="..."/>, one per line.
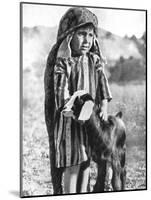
<point x="77" y="64"/>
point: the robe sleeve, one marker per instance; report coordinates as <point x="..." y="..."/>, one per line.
<point x="103" y="86"/>
<point x="61" y="83"/>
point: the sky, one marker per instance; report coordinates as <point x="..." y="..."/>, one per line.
<point x="119" y="22"/>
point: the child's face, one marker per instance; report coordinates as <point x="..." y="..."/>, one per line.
<point x="82" y="40"/>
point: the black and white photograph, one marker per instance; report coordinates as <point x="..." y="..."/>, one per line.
<point x="83" y="100"/>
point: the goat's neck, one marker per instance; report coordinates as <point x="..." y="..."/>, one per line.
<point x="95" y="132"/>
<point x="94" y="124"/>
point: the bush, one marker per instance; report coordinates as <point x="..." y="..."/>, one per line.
<point x="130" y="69"/>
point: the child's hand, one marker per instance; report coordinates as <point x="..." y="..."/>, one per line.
<point x="103" y="113"/>
<point x="103" y="116"/>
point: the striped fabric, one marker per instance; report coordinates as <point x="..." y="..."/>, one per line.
<point x="71" y="141"/>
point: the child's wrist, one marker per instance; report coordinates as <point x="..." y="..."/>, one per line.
<point x="104" y="103"/>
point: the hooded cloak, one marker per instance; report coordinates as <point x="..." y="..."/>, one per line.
<point x="64" y="75"/>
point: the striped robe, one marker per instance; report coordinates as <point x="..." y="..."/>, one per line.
<point x="71" y="74"/>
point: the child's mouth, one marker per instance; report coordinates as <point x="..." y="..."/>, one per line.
<point x="84" y="47"/>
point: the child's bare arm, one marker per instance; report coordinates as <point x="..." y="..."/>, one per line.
<point x="104" y="107"/>
<point x="105" y="94"/>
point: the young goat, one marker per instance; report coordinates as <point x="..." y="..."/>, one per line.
<point x="107" y="140"/>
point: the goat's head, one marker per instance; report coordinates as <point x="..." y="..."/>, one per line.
<point x="80" y="106"/>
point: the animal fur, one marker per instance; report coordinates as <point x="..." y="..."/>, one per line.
<point x="107" y="140"/>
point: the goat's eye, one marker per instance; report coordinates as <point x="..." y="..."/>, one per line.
<point x="81" y="101"/>
<point x="73" y="108"/>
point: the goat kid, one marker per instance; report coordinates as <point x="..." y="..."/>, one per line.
<point x="107" y="140"/>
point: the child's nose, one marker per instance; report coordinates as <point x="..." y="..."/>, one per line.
<point x="86" y="39"/>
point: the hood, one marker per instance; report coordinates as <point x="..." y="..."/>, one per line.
<point x="75" y="18"/>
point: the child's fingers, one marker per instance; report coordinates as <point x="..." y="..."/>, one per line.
<point x="101" y="113"/>
<point x="103" y="116"/>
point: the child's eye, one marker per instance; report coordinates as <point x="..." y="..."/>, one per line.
<point x="91" y="35"/>
<point x="80" y="33"/>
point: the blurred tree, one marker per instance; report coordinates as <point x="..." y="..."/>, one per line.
<point x="130" y="69"/>
<point x="108" y="34"/>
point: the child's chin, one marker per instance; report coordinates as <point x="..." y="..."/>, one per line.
<point x="83" y="52"/>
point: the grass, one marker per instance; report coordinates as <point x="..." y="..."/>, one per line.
<point x="130" y="99"/>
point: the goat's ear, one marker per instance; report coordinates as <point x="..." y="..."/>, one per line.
<point x="119" y="114"/>
<point x="76" y="99"/>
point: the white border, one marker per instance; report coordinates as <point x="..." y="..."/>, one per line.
<point x="9" y="100"/>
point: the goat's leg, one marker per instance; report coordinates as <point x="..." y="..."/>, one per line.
<point x="100" y="182"/>
<point x="109" y="175"/>
<point x="123" y="178"/>
<point x="123" y="170"/>
<point x="116" y="179"/>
